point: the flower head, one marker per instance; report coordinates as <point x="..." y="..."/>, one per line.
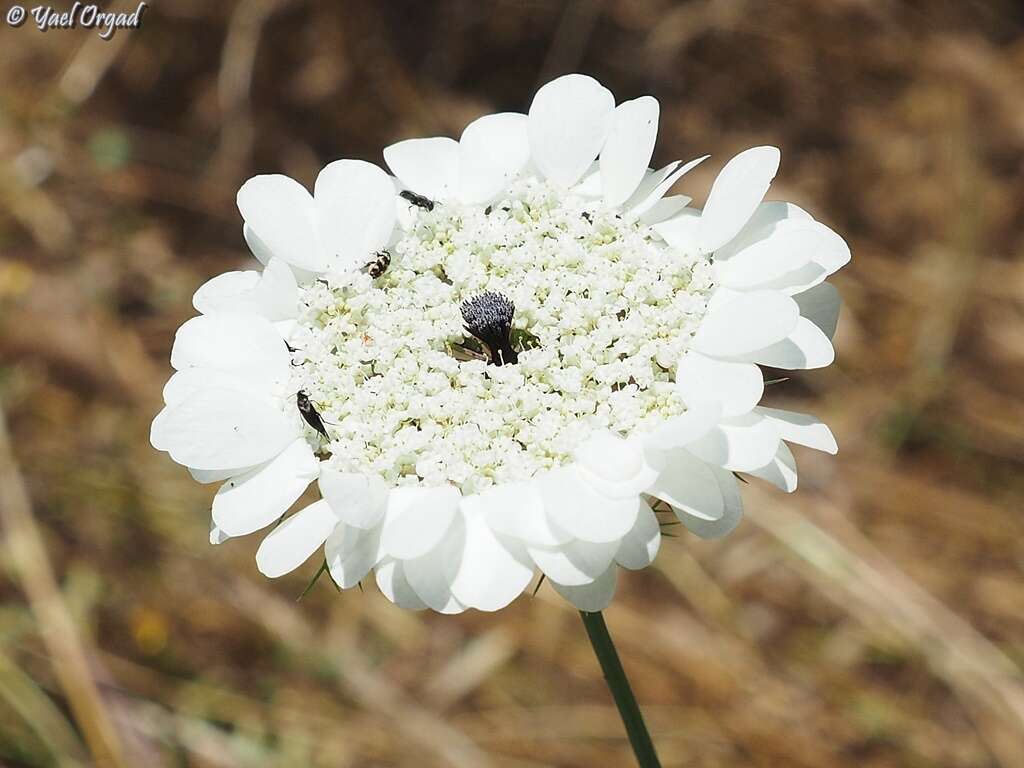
<point x="551" y="346"/>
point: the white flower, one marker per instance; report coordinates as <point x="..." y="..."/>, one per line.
<point x="548" y="346"/>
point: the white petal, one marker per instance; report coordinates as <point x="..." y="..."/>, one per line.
<point x="417" y="518"/>
<point x="257" y="498"/>
<point x="431" y="574"/>
<point x="650" y="189"/>
<point x="242" y="345"/>
<point x="221" y="429"/>
<point x="573" y="505"/>
<point x="680" y="231"/>
<point x="629" y="147"/>
<point x="640" y="546"/>
<point x="614" y="467"/>
<point x="575" y="562"/>
<point x="395" y="587"/>
<point x="569" y="121"/>
<point x="206" y="476"/>
<point x="732" y="513"/>
<point x="677" y="431"/>
<point x="355" y="208"/>
<point x="217" y="536"/>
<point x="800" y="428"/>
<point x="736" y="193"/>
<point x="185" y="382"/>
<point x="285" y="328"/>
<point x="492" y="571"/>
<point x="689" y="485"/>
<point x="830" y="255"/>
<point x="749" y="322"/>
<point x="665" y="209"/>
<point x="429" y="587"/>
<point x="821" y="305"/>
<point x="650" y="181"/>
<point x="272" y="294"/>
<point x="722" y="296"/>
<point x="277" y="295"/>
<point x="780" y="471"/>
<point x="590" y="186"/>
<point x="791" y="246"/>
<point x="741" y="443"/>
<point x="767" y="218"/>
<point x="358" y="500"/>
<point x="517" y="510"/>
<point x="591" y="597"/>
<point x="259" y="249"/>
<point x="799" y="280"/>
<point x="836" y="255"/>
<point x="806" y="347"/>
<point x="641" y="203"/>
<point x="404" y="215"/>
<point x="492" y="151"/>
<point x="427" y="167"/>
<point x="222" y="289"/>
<point x="784" y="257"/>
<point x="351" y="553"/>
<point x="290" y="544"/>
<point x="280" y="212"/>
<point x="736" y="386"/>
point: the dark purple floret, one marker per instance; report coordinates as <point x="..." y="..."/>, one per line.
<point x="489" y="319"/>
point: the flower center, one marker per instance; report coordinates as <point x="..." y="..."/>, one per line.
<point x="489" y="319"/>
<point x="577" y="316"/>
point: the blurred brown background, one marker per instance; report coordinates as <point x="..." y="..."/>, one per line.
<point x="874" y="618"/>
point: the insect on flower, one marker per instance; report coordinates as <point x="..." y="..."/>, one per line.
<point x="310" y="413"/>
<point x="418" y="200"/>
<point x="379" y="265"/>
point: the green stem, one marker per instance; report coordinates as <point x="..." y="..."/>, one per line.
<point x="618" y="684"/>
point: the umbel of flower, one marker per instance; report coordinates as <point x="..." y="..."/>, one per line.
<point x="550" y="349"/>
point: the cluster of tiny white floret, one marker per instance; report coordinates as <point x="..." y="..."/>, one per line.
<point x="603" y="312"/>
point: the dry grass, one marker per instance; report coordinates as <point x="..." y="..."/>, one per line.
<point x="873" y="619"/>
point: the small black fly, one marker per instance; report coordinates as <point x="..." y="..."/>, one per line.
<point x="310" y="414"/>
<point x="418" y="200"/>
